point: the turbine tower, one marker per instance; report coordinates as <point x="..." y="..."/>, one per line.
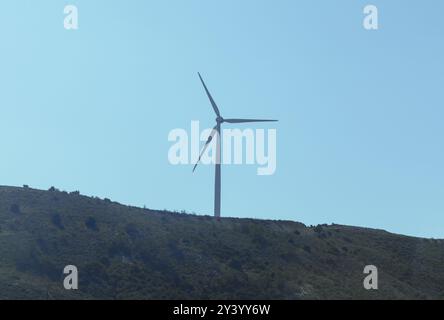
<point x="217" y="132"/>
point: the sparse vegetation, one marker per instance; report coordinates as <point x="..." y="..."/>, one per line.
<point x="130" y="253"/>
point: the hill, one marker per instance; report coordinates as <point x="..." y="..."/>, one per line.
<point x="132" y="253"/>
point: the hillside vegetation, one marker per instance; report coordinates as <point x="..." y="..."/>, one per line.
<point x="131" y="253"/>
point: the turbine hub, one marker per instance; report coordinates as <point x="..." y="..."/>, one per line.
<point x="219" y="120"/>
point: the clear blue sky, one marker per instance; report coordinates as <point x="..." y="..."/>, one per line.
<point x="360" y="141"/>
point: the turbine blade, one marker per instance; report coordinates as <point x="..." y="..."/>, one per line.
<point x="247" y="120"/>
<point x="210" y="138"/>
<point x="216" y="109"/>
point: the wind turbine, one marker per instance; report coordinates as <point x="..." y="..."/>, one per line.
<point x="217" y="131"/>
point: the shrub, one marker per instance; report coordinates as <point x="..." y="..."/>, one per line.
<point x="91" y="224"/>
<point x="57" y="221"/>
<point x="15" y="208"/>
